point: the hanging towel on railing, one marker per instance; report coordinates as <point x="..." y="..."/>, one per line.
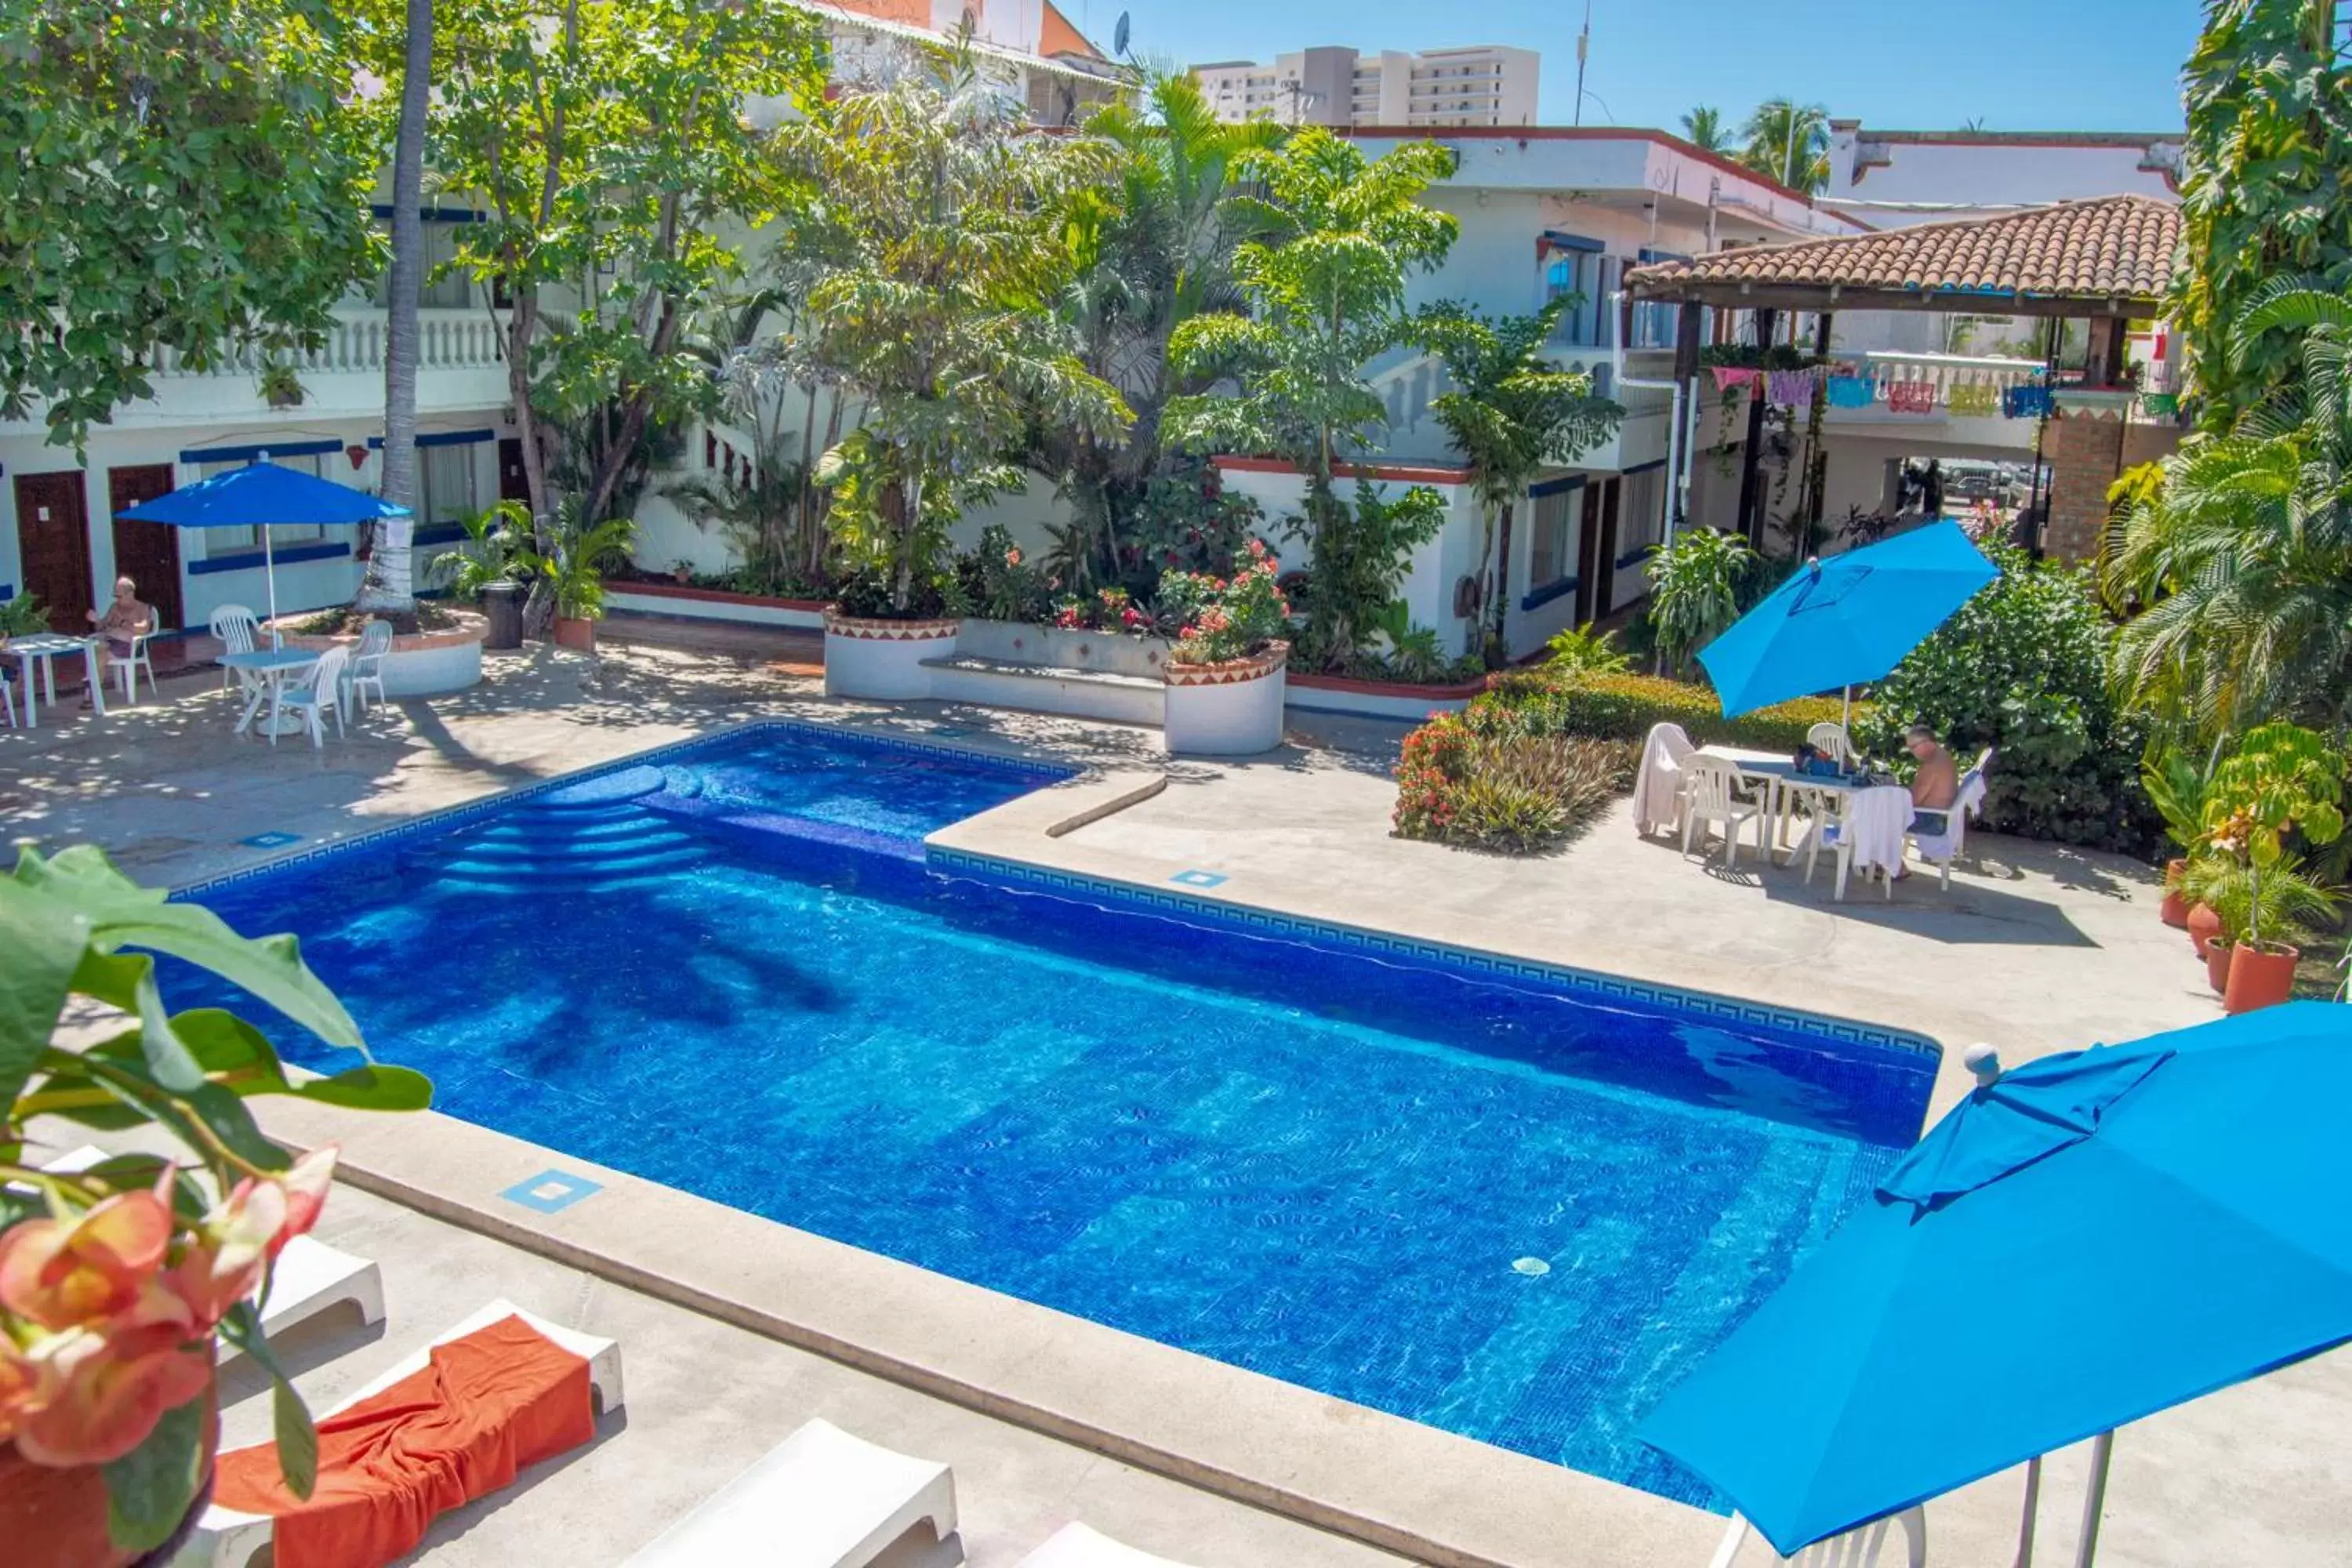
<point x="1792" y="387"/>
<point x="2025" y="402"/>
<point x="1969" y="397"/>
<point x="1852" y="392"/>
<point x="1728" y="376"/>
<point x="1911" y="397"/>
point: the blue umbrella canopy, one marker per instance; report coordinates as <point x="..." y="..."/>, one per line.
<point x="1845" y="619"/>
<point x="263" y="494"/>
<point x="2121" y="1229"/>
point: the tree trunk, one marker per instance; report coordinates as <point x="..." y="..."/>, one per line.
<point x="1502" y="599"/>
<point x="389" y="586"/>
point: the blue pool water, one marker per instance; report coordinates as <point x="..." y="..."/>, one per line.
<point x="731" y="970"/>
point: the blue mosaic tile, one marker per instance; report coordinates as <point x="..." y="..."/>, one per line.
<point x="1198" y="879"/>
<point x="276" y="839"/>
<point x="552" y="1190"/>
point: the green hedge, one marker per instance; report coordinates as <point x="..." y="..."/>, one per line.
<point x="1624" y="707"/>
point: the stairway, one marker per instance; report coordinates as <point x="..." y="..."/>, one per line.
<point x="591" y="837"/>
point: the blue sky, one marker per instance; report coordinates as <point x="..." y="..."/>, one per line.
<point x="2019" y="64"/>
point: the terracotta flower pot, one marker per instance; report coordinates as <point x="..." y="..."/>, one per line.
<point x="2217" y="964"/>
<point x="2175" y="910"/>
<point x="2203" y="925"/>
<point x="579" y="636"/>
<point x="2260" y="976"/>
<point x="52" y="1517"/>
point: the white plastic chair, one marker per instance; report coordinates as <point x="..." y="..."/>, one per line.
<point x="1711" y="794"/>
<point x="8" y="699"/>
<point x="367" y="665"/>
<point x="821" y="1499"/>
<point x="1842" y="831"/>
<point x="224" y="1538"/>
<point x="1832" y="741"/>
<point x="1861" y="1548"/>
<point x="1077" y="1545"/>
<point x="1940" y="849"/>
<point x="127" y="667"/>
<point x="320" y="692"/>
<point x="238" y="630"/>
<point x="1658" y="786"/>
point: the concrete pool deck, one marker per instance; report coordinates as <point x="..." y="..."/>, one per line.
<point x="2034" y="948"/>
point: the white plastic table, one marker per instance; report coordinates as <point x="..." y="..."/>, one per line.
<point x="46" y="646"/>
<point x="275" y="667"/>
<point x="1783" y="785"/>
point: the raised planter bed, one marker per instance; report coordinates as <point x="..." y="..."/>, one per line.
<point x="1379" y="699"/>
<point x="421" y="664"/>
<point x="714" y="605"/>
<point x="1228" y="710"/>
<point x="888" y="659"/>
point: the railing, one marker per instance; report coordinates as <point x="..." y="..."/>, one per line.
<point x="446" y="340"/>
<point x="1889" y="367"/>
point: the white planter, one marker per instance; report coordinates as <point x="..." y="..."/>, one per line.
<point x="1024" y="642"/>
<point x="883" y="658"/>
<point x="420" y="664"/>
<point x="1231" y="709"/>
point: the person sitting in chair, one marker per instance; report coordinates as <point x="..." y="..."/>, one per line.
<point x="1935" y="786"/>
<point x="125" y="619"/>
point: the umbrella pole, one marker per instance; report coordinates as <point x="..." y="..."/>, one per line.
<point x="270" y="572"/>
<point x="2032" y="1507"/>
<point x="1845" y="714"/>
<point x="2102" y="1449"/>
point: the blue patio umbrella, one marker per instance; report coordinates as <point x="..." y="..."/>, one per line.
<point x="1845" y="619"/>
<point x="2124" y="1228"/>
<point x="264" y="495"/>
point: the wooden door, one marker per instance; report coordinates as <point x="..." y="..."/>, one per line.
<point x="53" y="537"/>
<point x="513" y="483"/>
<point x="146" y="552"/>
<point x="1605" y="571"/>
<point x="1588" y="558"/>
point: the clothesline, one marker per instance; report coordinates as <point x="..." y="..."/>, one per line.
<point x="1849" y="388"/>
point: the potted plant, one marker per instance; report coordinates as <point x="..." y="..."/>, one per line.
<point x="681" y="571"/>
<point x="2284" y="781"/>
<point x="489" y="567"/>
<point x="119" y="1282"/>
<point x="2177" y="789"/>
<point x="1224" y="674"/>
<point x="574" y="572"/>
<point x="281" y="388"/>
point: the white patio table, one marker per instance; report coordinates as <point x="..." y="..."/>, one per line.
<point x="275" y="667"/>
<point x="1784" y="786"/>
<point x="46" y="646"/>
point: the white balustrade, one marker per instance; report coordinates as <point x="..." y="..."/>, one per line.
<point x="355" y="342"/>
<point x="1888" y="367"/>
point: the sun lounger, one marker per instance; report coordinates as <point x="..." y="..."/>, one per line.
<point x="1077" y="1545"/>
<point x="1867" y="1547"/>
<point x="226" y="1538"/>
<point x="821" y="1499"/>
<point x="310" y="1277"/>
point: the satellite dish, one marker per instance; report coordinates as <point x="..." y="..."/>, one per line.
<point x="1118" y="36"/>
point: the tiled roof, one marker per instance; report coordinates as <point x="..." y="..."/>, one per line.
<point x="2107" y="248"/>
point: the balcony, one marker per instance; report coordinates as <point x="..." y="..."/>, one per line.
<point x="1409" y="383"/>
<point x="1937" y="376"/>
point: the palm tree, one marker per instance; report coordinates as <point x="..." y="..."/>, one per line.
<point x="389" y="586"/>
<point x="1789" y="142"/>
<point x="1703" y="129"/>
<point x="2243" y="556"/>
<point x="1511" y="412"/>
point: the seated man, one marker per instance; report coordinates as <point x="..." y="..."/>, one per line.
<point x="125" y="618"/>
<point x="1935" y="786"/>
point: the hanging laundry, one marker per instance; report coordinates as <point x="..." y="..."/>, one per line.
<point x="2025" y="402"/>
<point x="1973" y="398"/>
<point x="1792" y="387"/>
<point x="1911" y="397"/>
<point x="1728" y="376"/>
<point x="2160" y="405"/>
<point x="1852" y="392"/>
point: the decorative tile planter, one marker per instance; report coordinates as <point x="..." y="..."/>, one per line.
<point x="865" y="657"/>
<point x="421" y="664"/>
<point x="1228" y="710"/>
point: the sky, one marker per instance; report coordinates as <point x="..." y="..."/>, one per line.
<point x="1905" y="65"/>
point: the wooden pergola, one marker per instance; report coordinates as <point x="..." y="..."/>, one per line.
<point x="2104" y="261"/>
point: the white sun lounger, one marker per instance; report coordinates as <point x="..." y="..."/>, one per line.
<point x="1865" y="1547"/>
<point x="1077" y="1545"/>
<point x="310" y="1277"/>
<point x="821" y="1499"/>
<point x="224" y="1538"/>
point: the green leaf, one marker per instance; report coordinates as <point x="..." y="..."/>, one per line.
<point x="43" y="945"/>
<point x="150" y="1489"/>
<point x="297" y="1434"/>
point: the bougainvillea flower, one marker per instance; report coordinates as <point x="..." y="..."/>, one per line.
<point x="105" y="1393"/>
<point x="59" y="1273"/>
<point x="307" y="1180"/>
<point x="237" y="1241"/>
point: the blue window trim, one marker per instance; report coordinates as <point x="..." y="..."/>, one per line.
<point x="1536" y="598"/>
<point x="1650" y="255"/>
<point x="436" y="214"/>
<point x="7" y="591"/>
<point x="443" y="438"/>
<point x="1556" y="487"/>
<point x="1638" y="552"/>
<point x="1558" y="240"/>
<point x="435" y="533"/>
<point x="252" y="559"/>
<point x="1642" y="468"/>
<point x="253" y="453"/>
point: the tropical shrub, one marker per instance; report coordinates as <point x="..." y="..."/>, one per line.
<point x="1624" y="707"/>
<point x="995" y="581"/>
<point x="497" y="550"/>
<point x="1186" y="521"/>
<point x="1574" y="650"/>
<point x="2281" y="902"/>
<point x="2023" y="667"/>
<point x="1476" y="780"/>
<point x="1224" y="618"/>
<point x="117" y="1282"/>
<point x="572" y="568"/>
<point x="1360" y="566"/>
<point x="2283" y="787"/>
<point x="23" y="615"/>
<point x="1695" y="584"/>
<point x="1111" y="610"/>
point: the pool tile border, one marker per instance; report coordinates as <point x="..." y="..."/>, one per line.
<point x="1254" y="921"/>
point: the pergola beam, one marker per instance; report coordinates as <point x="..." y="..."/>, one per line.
<point x="1819" y="296"/>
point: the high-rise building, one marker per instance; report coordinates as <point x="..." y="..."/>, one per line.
<point x="1482" y="85"/>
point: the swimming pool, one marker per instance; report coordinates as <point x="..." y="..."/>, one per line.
<point x="1507" y="1201"/>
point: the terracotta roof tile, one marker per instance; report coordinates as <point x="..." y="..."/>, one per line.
<point x="2105" y="248"/>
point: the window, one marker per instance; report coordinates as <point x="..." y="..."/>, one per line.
<point x="1552" y="538"/>
<point x="451" y="292"/>
<point x="1641" y="521"/>
<point x="220" y="541"/>
<point x="444" y="484"/>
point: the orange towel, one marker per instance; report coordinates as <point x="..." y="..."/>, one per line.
<point x="501" y="1398"/>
